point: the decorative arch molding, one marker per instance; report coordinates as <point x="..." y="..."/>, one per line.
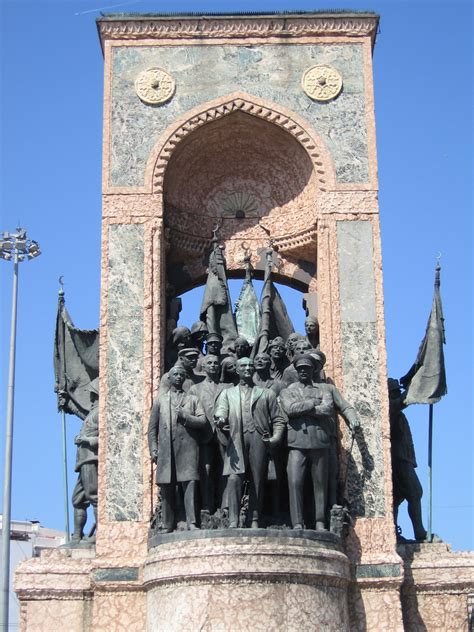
<point x="254" y="106"/>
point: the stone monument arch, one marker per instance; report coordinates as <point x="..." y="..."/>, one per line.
<point x="264" y="124"/>
<point x="270" y="149"/>
<point x="209" y="169"/>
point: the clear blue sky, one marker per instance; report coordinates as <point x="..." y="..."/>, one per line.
<point x="51" y="134"/>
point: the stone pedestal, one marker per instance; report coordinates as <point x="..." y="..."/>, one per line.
<point x="438" y="590"/>
<point x="55" y="590"/>
<point x="243" y="579"/>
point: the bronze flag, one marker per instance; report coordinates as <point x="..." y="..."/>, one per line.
<point x="426" y="380"/>
<point x="76" y="363"/>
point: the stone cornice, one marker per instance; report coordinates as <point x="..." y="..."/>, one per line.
<point x="139" y="27"/>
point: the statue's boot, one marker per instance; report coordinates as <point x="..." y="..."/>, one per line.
<point x="414" y="511"/>
<point x="92" y="534"/>
<point x="80" y="519"/>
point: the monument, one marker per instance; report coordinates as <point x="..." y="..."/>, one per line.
<point x="234" y="142"/>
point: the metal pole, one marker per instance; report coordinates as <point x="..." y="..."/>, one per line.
<point x="7" y="482"/>
<point x="66" y="492"/>
<point x="430" y="475"/>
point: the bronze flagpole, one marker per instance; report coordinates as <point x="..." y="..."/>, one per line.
<point x="63" y="421"/>
<point x="430" y="474"/>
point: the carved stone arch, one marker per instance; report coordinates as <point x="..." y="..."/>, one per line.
<point x="223" y="106"/>
<point x="299" y="156"/>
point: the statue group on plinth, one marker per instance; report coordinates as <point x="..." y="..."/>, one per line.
<point x="244" y="431"/>
<point x="244" y="428"/>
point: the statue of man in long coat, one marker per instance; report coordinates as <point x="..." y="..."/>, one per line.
<point x="173" y="438"/>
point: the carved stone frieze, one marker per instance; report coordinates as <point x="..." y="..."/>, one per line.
<point x="149" y="27"/>
<point x="185" y="243"/>
<point x="301" y="244"/>
<point x="304" y="241"/>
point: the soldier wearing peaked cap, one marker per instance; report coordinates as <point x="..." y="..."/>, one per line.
<point x="187" y="358"/>
<point x="311" y="409"/>
<point x="199" y="333"/>
<point x="180" y="339"/>
<point x="214" y="344"/>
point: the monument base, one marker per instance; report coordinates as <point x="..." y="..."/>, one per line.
<point x="243" y="579"/>
<point x="438" y="591"/>
<point x="247" y="579"/>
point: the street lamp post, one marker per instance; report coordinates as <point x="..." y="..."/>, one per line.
<point x="14" y="247"/>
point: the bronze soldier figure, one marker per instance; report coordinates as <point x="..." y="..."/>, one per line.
<point x="85" y="491"/>
<point x="406" y="484"/>
<point x="187" y="358"/>
<point x="311" y="409"/>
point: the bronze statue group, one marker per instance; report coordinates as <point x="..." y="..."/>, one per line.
<point x="246" y="440"/>
<point x="243" y="433"/>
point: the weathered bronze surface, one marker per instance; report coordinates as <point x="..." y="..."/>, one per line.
<point x="261" y="449"/>
<point x="85" y="491"/>
<point x="406" y="484"/>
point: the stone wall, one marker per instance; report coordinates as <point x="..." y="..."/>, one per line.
<point x="205" y="72"/>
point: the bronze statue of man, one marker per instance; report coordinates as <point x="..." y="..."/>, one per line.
<point x="207" y="392"/>
<point x="241" y="347"/>
<point x="262" y="376"/>
<point x="248" y="419"/>
<point x="214" y="344"/>
<point x="173" y="437"/>
<point x="180" y="339"/>
<point x="290" y="374"/>
<point x="187" y="358"/>
<point x="311" y="409"/>
<point x="199" y="334"/>
<point x="406" y="484"/>
<point x="291" y="343"/>
<point x="85" y="491"/>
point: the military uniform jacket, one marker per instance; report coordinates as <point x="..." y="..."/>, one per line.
<point x="266" y="416"/>
<point x="176" y="444"/>
<point x="311" y="426"/>
<point x="400" y="434"/>
<point x="87" y="452"/>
